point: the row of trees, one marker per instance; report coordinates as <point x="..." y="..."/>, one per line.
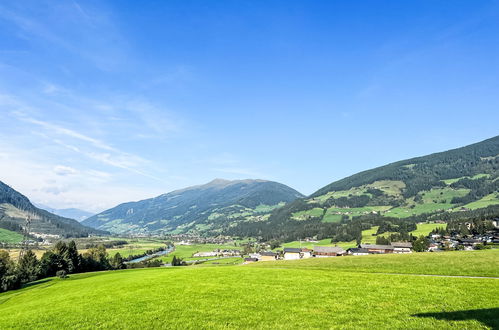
<point x="61" y="260"/>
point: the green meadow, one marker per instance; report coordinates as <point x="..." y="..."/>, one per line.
<point x="337" y="293"/>
<point x="7" y="236"/>
<point x="186" y="251"/>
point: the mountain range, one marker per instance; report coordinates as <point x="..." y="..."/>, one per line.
<point x="208" y="208"/>
<point x="72" y="213"/>
<point x="15" y="207"/>
<point x="441" y="186"/>
<point x="462" y="182"/>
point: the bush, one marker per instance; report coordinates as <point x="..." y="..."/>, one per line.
<point x="61" y="274"/>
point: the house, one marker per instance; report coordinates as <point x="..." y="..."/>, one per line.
<point x="402" y="247"/>
<point x="250" y="260"/>
<point x="292" y="253"/>
<point x="375" y="248"/>
<point x="433" y="247"/>
<point x="328" y="251"/>
<point x="230" y="253"/>
<point x="256" y="256"/>
<point x="205" y="254"/>
<point x="306" y="253"/>
<point x="358" y="252"/>
<point x="268" y="256"/>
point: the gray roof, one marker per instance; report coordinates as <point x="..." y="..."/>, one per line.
<point x="250" y="259"/>
<point x="328" y="249"/>
<point x="292" y="250"/>
<point x="268" y="253"/>
<point x="375" y="246"/>
<point x="358" y="250"/>
<point x="402" y="244"/>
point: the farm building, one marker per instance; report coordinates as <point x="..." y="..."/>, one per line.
<point x="268" y="256"/>
<point x="250" y="260"/>
<point x="402" y="247"/>
<point x="306" y="253"/>
<point x="375" y="248"/>
<point x="292" y="253"/>
<point x="328" y="251"/>
<point x="255" y="255"/>
<point x="205" y="254"/>
<point x="358" y="251"/>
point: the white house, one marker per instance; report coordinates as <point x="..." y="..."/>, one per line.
<point x="292" y="253"/>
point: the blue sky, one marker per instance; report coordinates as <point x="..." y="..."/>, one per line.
<point x="110" y="101"/>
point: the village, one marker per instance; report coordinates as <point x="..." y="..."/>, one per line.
<point x="433" y="242"/>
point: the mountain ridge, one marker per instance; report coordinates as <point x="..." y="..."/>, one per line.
<point x="15" y="207"/>
<point x="199" y="209"/>
<point x="432" y="187"/>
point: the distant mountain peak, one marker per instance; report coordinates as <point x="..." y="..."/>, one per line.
<point x="208" y="207"/>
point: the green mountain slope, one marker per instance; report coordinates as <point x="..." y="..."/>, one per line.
<point x="15" y="207"/>
<point x="437" y="186"/>
<point x="200" y="209"/>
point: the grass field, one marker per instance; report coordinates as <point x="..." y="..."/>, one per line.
<point x="426" y="228"/>
<point x="186" y="251"/>
<point x="492" y="199"/>
<point x="304" y="215"/>
<point x="478" y="176"/>
<point x="367" y="237"/>
<point x="7" y="236"/>
<point x="338" y="293"/>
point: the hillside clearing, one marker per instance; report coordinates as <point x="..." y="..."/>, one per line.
<point x="8" y="236"/>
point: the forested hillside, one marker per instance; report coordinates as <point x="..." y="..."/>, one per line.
<point x="206" y="209"/>
<point x="15" y="207"/>
<point x="441" y="186"/>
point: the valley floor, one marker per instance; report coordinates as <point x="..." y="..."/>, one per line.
<point x="342" y="293"/>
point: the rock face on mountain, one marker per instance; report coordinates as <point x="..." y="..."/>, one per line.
<point x="207" y="208"/>
<point x="15" y="207"/>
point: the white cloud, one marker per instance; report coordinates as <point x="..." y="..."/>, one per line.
<point x="64" y="170"/>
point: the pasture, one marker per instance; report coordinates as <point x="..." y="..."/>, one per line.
<point x="338" y="293"/>
<point x="10" y="237"/>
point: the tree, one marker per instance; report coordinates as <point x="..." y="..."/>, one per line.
<point x="72" y="257"/>
<point x="274" y="244"/>
<point x="421" y="244"/>
<point x="382" y="240"/>
<point x="49" y="264"/>
<point x="28" y="267"/>
<point x="9" y="278"/>
<point x="117" y="261"/>
<point x="61" y="250"/>
<point x="176" y="261"/>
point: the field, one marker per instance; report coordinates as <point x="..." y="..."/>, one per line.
<point x="7" y="236"/>
<point x="339" y="293"/>
<point x="426" y="228"/>
<point x="368" y="237"/>
<point x="186" y="251"/>
<point x="492" y="199"/>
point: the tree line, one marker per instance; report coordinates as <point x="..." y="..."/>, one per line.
<point x="63" y="259"/>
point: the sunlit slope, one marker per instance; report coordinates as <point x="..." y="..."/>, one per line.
<point x="264" y="296"/>
<point x="206" y="208"/>
<point x="423" y="188"/>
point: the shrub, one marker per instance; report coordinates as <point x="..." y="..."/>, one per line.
<point x="61" y="274"/>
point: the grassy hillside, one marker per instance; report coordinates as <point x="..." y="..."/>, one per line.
<point x="200" y="209"/>
<point x="7" y="236"/>
<point x="433" y="187"/>
<point x="319" y="293"/>
<point x="15" y="207"/>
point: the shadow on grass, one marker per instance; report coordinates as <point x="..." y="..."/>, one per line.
<point x="489" y="317"/>
<point x="27" y="285"/>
